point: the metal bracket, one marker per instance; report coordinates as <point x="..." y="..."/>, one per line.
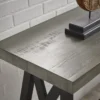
<point x="27" y="88"/>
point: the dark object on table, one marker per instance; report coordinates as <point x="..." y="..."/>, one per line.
<point x="87" y="25"/>
<point x="84" y="27"/>
<point x="89" y="5"/>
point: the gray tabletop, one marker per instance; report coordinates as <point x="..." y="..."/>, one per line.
<point x="46" y="52"/>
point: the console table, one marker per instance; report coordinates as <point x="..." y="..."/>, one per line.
<point x="45" y="53"/>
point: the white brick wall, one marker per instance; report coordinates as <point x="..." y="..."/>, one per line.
<point x="33" y="2"/>
<point x="28" y="14"/>
<point x="50" y="5"/>
<point x="16" y="16"/>
<point x="11" y="6"/>
<point x="6" y="23"/>
<point x="33" y="12"/>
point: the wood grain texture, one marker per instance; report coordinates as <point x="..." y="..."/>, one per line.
<point x="46" y="52"/>
<point x="89" y="5"/>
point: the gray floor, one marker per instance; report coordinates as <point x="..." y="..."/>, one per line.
<point x="94" y="94"/>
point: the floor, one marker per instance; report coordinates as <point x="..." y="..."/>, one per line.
<point x="94" y="94"/>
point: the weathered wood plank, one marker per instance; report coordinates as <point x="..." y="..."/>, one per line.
<point x="46" y="52"/>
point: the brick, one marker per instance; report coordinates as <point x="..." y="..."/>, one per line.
<point x="66" y="8"/>
<point x="13" y="88"/>
<point x="14" y="30"/>
<point x="9" y="74"/>
<point x="20" y="75"/>
<point x="12" y="6"/>
<point x="28" y="14"/>
<point x="53" y="4"/>
<point x="6" y="23"/>
<point x="33" y="2"/>
<point x="42" y="18"/>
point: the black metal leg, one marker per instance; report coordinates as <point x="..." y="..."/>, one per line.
<point x="53" y="94"/>
<point x="40" y="87"/>
<point x="27" y="87"/>
<point x="66" y="96"/>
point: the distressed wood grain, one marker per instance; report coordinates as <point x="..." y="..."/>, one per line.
<point x="46" y="52"/>
<point x="89" y="5"/>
